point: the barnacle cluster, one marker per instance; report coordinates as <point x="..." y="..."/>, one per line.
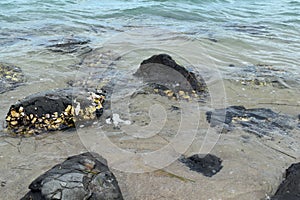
<point x="10" y="77"/>
<point x="259" y="75"/>
<point x="177" y="95"/>
<point x="241" y="119"/>
<point x="93" y="110"/>
<point x="254" y="82"/>
<point x="10" y="73"/>
<point x="20" y="122"/>
<point x="187" y="95"/>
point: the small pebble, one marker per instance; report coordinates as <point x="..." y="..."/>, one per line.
<point x="3" y="183"/>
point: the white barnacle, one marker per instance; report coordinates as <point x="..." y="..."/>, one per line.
<point x="77" y="108"/>
<point x="13" y="113"/>
<point x="33" y="120"/>
<point x="13" y="123"/>
<point x="21" y="109"/>
<point x="181" y="93"/>
<point x="68" y="109"/>
<point x="8" y="118"/>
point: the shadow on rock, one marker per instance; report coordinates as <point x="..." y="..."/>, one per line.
<point x="84" y="176"/>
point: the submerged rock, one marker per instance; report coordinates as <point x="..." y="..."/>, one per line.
<point x="262" y="75"/>
<point x="260" y="121"/>
<point x="100" y="59"/>
<point x="10" y="77"/>
<point x="249" y="29"/>
<point x="167" y="77"/>
<point x="84" y="176"/>
<point x="289" y="189"/>
<point x="70" y="45"/>
<point x="54" y="110"/>
<point x="208" y="164"/>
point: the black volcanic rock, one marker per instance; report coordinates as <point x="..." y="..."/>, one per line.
<point x="54" y="110"/>
<point x="289" y="189"/>
<point x="84" y="176"/>
<point x="163" y="70"/>
<point x="208" y="165"/>
<point x="260" y="121"/>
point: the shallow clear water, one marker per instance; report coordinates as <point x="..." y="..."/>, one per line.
<point x="230" y="32"/>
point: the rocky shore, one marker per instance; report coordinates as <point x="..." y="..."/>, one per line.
<point x="87" y="175"/>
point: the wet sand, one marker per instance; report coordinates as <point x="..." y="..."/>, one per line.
<point x="252" y="167"/>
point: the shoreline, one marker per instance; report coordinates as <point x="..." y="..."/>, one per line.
<point x="247" y="159"/>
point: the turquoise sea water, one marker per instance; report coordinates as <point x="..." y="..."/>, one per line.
<point x="270" y="29"/>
